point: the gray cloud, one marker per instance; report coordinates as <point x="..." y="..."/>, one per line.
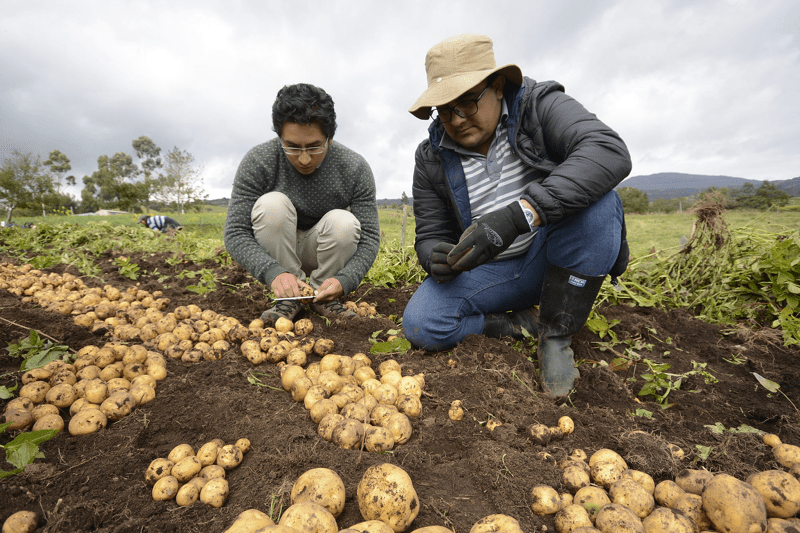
<point x="704" y="87"/>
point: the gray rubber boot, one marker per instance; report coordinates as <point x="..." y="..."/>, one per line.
<point x="499" y="325"/>
<point x="567" y="299"/>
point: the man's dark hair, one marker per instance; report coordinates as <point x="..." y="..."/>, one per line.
<point x="303" y="103"/>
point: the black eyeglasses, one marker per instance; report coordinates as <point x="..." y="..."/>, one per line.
<point x="464" y="109"/>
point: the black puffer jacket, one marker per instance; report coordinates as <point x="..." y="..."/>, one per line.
<point x="577" y="158"/>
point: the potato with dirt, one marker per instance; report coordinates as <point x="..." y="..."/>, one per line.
<point x="215" y="492"/>
<point x="496" y="523"/>
<point x="571" y="517"/>
<point x="734" y="506"/>
<point x="309" y="517"/>
<point x="21" y="522"/>
<point x="322" y="486"/>
<point x="250" y="521"/>
<point x="632" y="495"/>
<point x="616" y="518"/>
<point x="87" y="421"/>
<point x="386" y="493"/>
<point x="665" y="520"/>
<point x="780" y="491"/>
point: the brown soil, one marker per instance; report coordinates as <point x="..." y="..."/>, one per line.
<point x="462" y="471"/>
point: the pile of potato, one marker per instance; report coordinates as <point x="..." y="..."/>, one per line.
<point x="353" y="405"/>
<point x="361" y="308"/>
<point x="188" y="333"/>
<point x="104" y="383"/>
<point x="606" y="496"/>
<point x="186" y="476"/>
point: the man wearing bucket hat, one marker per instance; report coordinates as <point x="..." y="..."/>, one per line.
<point x="514" y="206"/>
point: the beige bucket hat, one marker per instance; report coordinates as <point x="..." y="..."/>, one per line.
<point x="455" y="66"/>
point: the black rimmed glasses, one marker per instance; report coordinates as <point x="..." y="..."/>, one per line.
<point x="463" y="109"/>
<point x="314" y="150"/>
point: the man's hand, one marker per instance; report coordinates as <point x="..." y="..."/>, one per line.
<point x="330" y="289"/>
<point x="488" y="236"/>
<point x="287" y="285"/>
<point x="441" y="271"/>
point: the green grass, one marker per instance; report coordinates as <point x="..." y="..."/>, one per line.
<point x="661" y="232"/>
<point x="664" y="232"/>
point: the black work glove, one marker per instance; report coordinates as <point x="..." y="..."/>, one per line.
<point x="488" y="236"/>
<point x="440" y="270"/>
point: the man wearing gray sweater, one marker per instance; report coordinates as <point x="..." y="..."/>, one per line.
<point x="303" y="210"/>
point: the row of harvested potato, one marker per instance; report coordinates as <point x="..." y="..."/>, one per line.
<point x="386" y="497"/>
<point x="605" y="495"/>
<point x="102" y="384"/>
<point x="353" y="405"/>
<point x="188" y="476"/>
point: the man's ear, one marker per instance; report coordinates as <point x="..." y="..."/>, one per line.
<point x="499" y="83"/>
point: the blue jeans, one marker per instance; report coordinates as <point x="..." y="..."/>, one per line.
<point x="440" y="315"/>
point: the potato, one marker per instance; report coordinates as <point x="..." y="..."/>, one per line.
<point x="456" y="412"/>
<point x="187" y="495"/>
<point x="309" y="517"/>
<point x="605" y="455"/>
<point x="142" y="394"/>
<point x="36" y="374"/>
<point x="322" y="486"/>
<point x="616" y="518"/>
<point x="21" y="522"/>
<point x="540" y="434"/>
<point x="692" y="506"/>
<point x="357" y="411"/>
<point x="303" y="327"/>
<point x="158" y="468"/>
<point x="249" y="521"/>
<point x="44" y="409"/>
<point x="667" y="493"/>
<point x="780" y="491"/>
<point x="215" y="492"/>
<point x="61" y="395"/>
<point x="323" y="347"/>
<point x="165" y="488"/>
<point x="571" y="517"/>
<point x="87" y="421"/>
<point x="297" y="356"/>
<point x="575" y="478"/>
<point x="566" y="425"/>
<point x="118" y="405"/>
<point x="409" y="404"/>
<point x="19" y="418"/>
<point x="229" y="457"/>
<point x="96" y="391"/>
<point x="605" y="474"/>
<point x="665" y="520"/>
<point x="378" y="439"/>
<point x="330" y="381"/>
<point x="186" y="468"/>
<point x="787" y="455"/>
<point x="780" y="525"/>
<point x="632" y="495"/>
<point x="179" y="452"/>
<point x="545" y="500"/>
<point x="386" y="493"/>
<point x="212" y="471"/>
<point x="243" y="444"/>
<point x="496" y="523"/>
<point x="579" y="455"/>
<point x="36" y="391"/>
<point x="300" y="387"/>
<point x="53" y="422"/>
<point x="380" y="413"/>
<point x="375" y="526"/>
<point x="252" y="351"/>
<point x="207" y="453"/>
<point x="326" y="425"/>
<point x="769" y="439"/>
<point x="400" y="426"/>
<point x="348" y="434"/>
<point x="693" y="481"/>
<point x="321" y="409"/>
<point x="643" y="479"/>
<point x="592" y="499"/>
<point x="314" y="394"/>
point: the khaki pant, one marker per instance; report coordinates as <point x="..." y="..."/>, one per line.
<point x="319" y="253"/>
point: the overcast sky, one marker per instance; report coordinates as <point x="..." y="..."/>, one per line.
<point x="702" y="86"/>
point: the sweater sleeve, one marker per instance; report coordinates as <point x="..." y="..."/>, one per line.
<point x="364" y="207"/>
<point x="254" y="178"/>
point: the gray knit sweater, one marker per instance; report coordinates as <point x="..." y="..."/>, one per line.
<point x="343" y="181"/>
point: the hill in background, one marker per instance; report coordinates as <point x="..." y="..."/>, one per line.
<point x="670" y="185"/>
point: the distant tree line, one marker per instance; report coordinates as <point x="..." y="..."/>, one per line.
<point x="766" y="196"/>
<point x="27" y="183"/>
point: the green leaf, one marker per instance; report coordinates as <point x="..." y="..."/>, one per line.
<point x="717" y="428"/>
<point x="394" y="346"/>
<point x="767" y="384"/>
<point x="6" y="393"/>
